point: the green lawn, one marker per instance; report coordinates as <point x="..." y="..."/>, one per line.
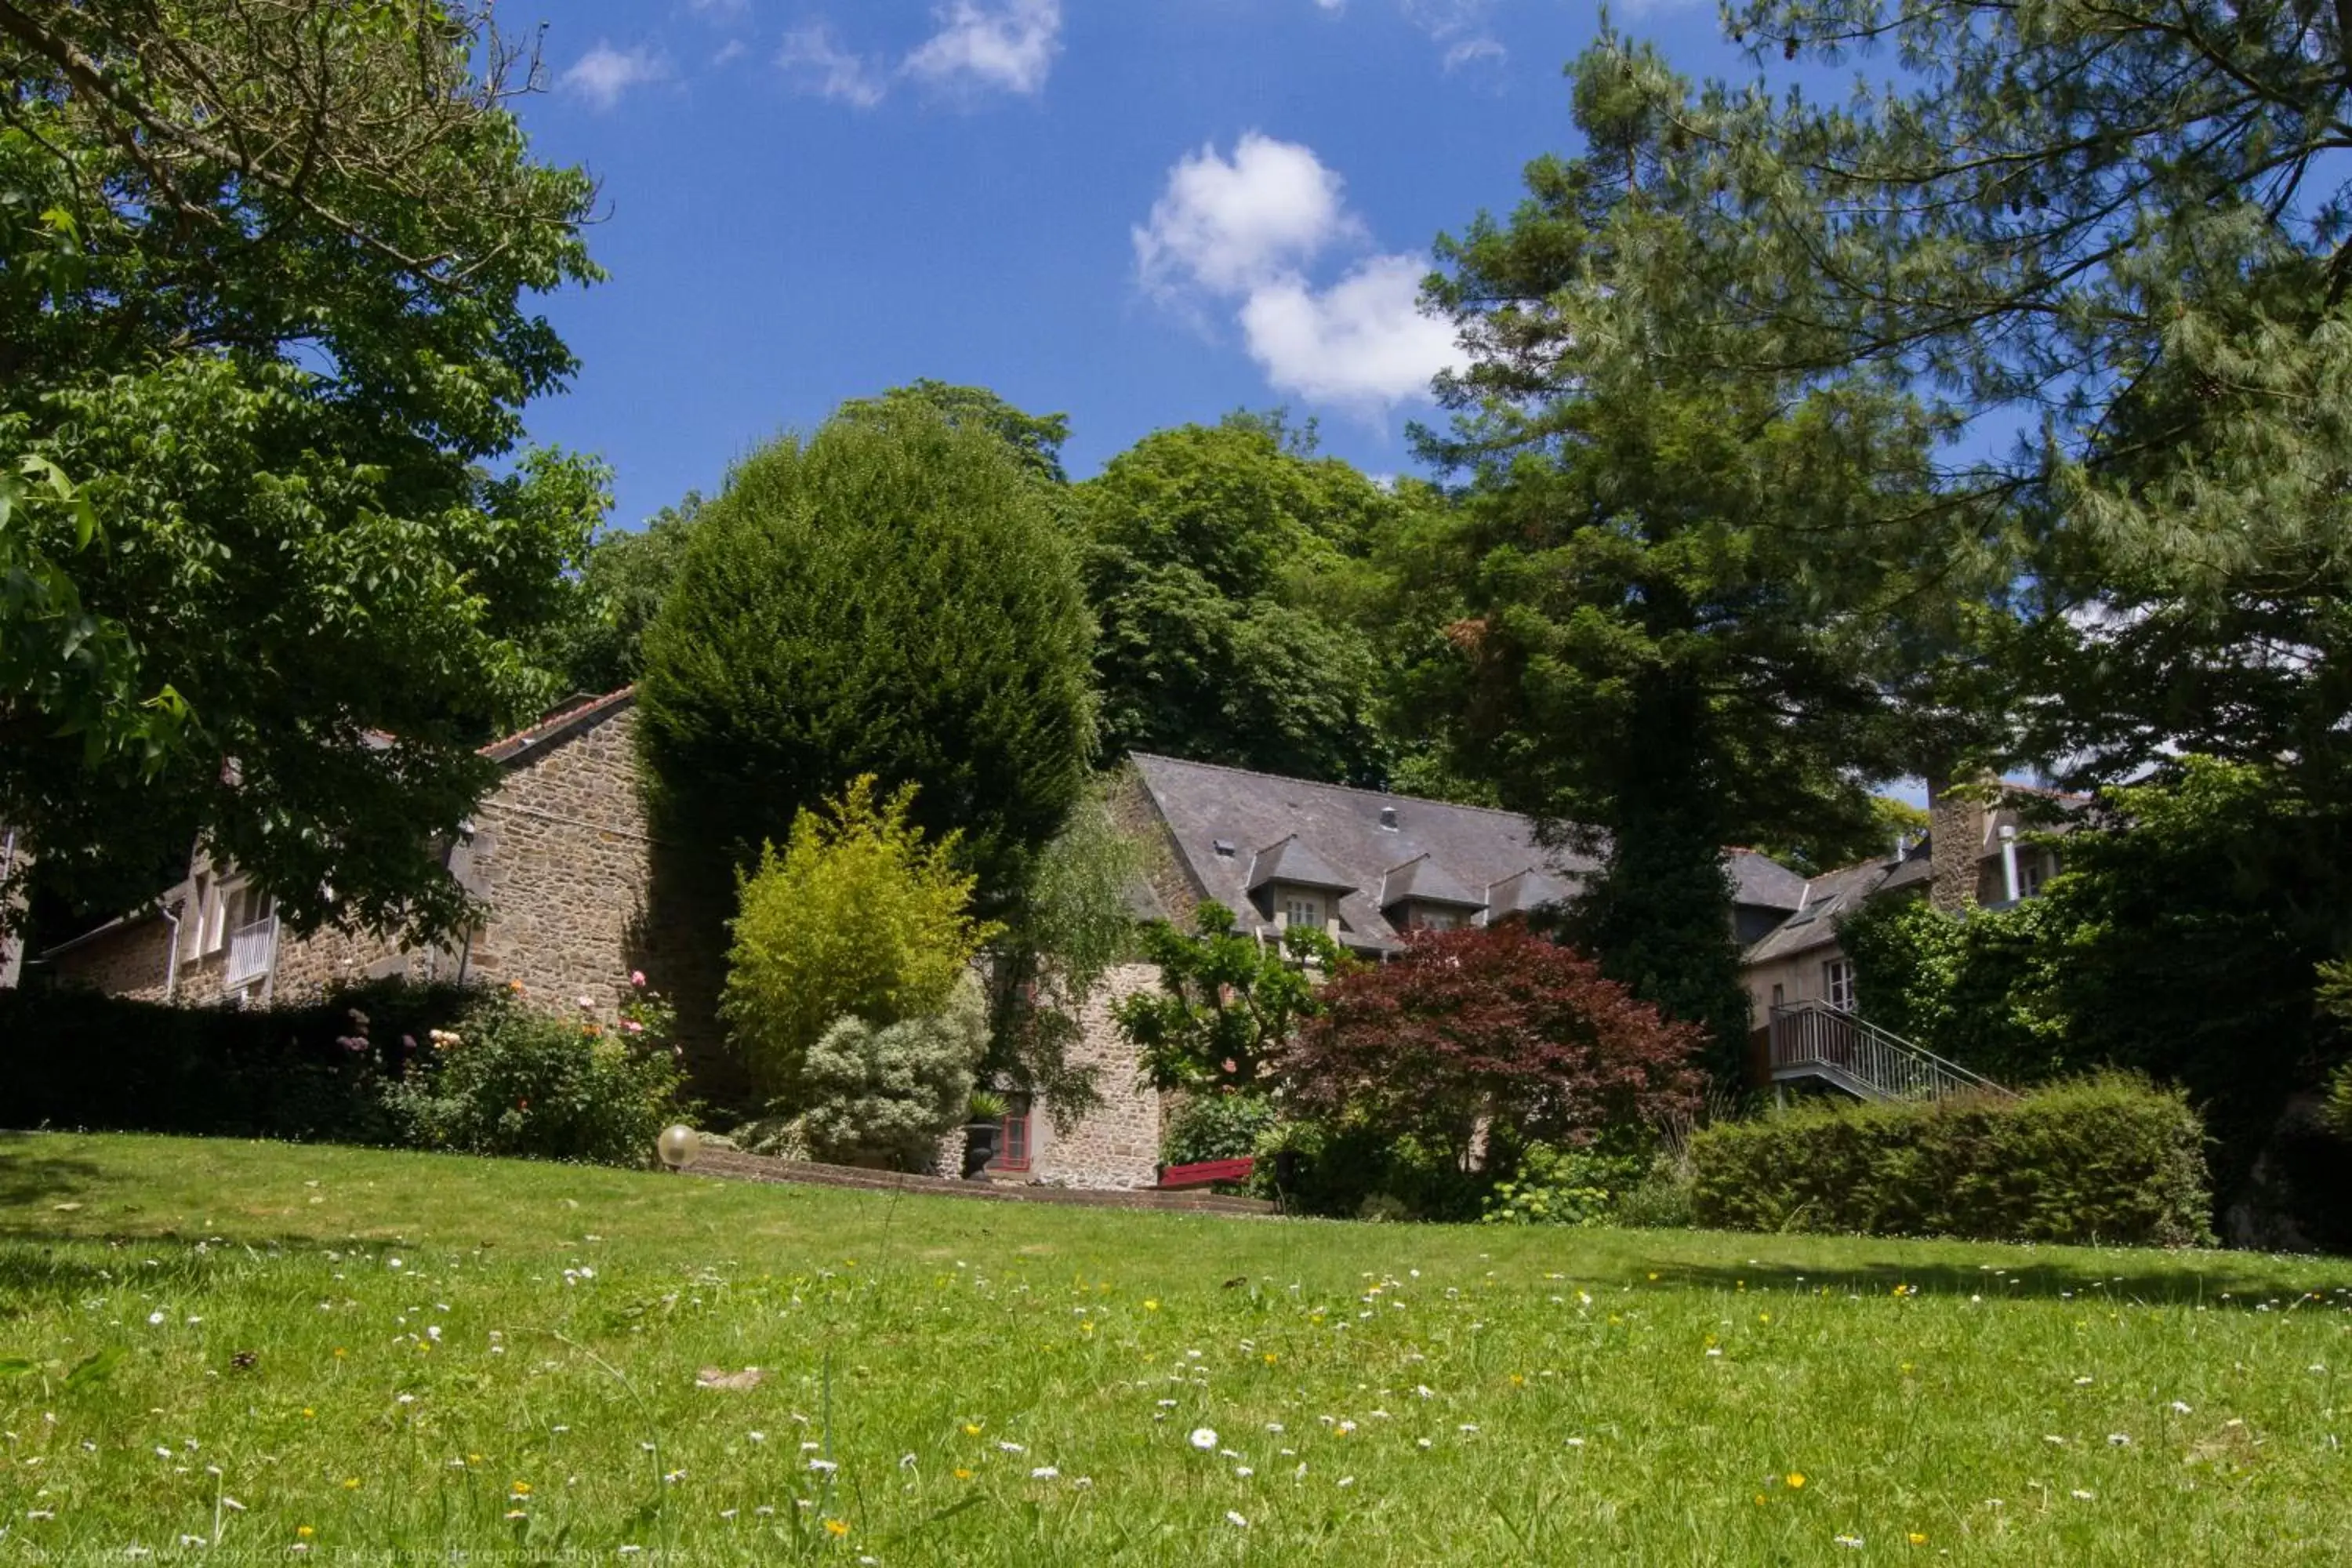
<point x="330" y="1350"/>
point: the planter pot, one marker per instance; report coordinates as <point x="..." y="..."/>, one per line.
<point x="980" y="1147"/>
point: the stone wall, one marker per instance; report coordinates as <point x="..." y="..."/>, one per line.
<point x="1956" y="841"/>
<point x="562" y="857"/>
<point x="1119" y="1145"/>
<point x="131" y="959"/>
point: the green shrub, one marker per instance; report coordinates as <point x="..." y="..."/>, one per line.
<point x="2107" y="1159"/>
<point x="1564" y="1186"/>
<point x="512" y="1081"/>
<point x="857" y="918"/>
<point x="887" y="1095"/>
<point x="1218" y="1127"/>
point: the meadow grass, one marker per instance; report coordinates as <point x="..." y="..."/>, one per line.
<point x="288" y="1352"/>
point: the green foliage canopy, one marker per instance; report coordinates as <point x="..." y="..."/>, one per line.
<point x="1675" y="603"/>
<point x="260" y="356"/>
<point x="888" y="597"/>
<point x="1218" y="563"/>
<point x="1226" y="1002"/>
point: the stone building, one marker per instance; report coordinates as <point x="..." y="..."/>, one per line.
<point x="559" y="854"/>
<point x="1983" y="849"/>
<point x="562" y="857"/>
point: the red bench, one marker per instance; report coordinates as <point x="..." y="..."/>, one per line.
<point x="1208" y="1172"/>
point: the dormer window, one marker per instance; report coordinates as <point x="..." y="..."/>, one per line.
<point x="1301" y="908"/>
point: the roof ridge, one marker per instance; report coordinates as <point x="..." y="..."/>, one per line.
<point x="554" y="721"/>
<point x="1318" y="784"/>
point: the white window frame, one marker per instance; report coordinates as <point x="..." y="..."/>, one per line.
<point x="1837" y="983"/>
<point x="1301" y="908"/>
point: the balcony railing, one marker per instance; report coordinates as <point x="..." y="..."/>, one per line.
<point x="1813" y="1040"/>
<point x="252" y="949"/>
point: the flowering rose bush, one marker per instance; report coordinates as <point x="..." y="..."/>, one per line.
<point x="512" y="1079"/>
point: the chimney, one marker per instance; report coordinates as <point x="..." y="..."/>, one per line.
<point x="1957" y="818"/>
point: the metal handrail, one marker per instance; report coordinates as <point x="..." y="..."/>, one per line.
<point x="1821" y="1037"/>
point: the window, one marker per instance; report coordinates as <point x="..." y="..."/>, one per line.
<point x="2035" y="869"/>
<point x="1302" y="909"/>
<point x="1779" y="996"/>
<point x="1013" y="1144"/>
<point x="1427" y="918"/>
<point x="1837" y="983"/>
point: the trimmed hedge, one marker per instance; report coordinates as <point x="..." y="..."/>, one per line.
<point x="2108" y="1159"/>
<point x="73" y="1058"/>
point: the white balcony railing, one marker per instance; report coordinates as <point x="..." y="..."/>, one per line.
<point x="252" y="949"/>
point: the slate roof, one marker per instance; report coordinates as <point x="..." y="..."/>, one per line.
<point x="1224" y="822"/>
<point x="1523" y="891"/>
<point x="1237" y="833"/>
<point x="1289" y="860"/>
<point x="1762" y="883"/>
<point x="1424" y="881"/>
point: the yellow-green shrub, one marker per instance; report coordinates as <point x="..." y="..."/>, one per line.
<point x="858" y="917"/>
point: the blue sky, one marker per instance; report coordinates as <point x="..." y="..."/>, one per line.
<point x="1135" y="212"/>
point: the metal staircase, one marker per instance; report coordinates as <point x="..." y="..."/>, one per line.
<point x="1816" y="1040"/>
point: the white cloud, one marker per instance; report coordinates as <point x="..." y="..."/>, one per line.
<point x="721" y="10"/>
<point x="1470" y="50"/>
<point x="1245" y="229"/>
<point x="1460" y="25"/>
<point x="1362" y="343"/>
<point x="1224" y="226"/>
<point x="604" y="73"/>
<point x="818" y="64"/>
<point x="1009" y="46"/>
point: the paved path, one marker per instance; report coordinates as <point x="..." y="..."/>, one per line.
<point x="733" y="1165"/>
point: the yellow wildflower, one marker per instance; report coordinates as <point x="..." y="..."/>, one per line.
<point x="971" y="1429"/>
<point x="836" y="1527"/>
<point x="304" y="1530"/>
<point x="1796" y="1477"/>
<point x="1916" y="1539"/>
<point x="1151" y="1306"/>
<point x="351" y="1483"/>
<point x="961" y="1474"/>
<point x="522" y="1488"/>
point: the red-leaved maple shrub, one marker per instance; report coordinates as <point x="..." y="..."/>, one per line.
<point x="1495" y="1024"/>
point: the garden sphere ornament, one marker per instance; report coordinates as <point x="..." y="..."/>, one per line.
<point x="677" y="1146"/>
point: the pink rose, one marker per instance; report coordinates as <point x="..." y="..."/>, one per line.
<point x="637" y="978"/>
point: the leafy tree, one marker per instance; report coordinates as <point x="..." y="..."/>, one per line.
<point x="1495" y="1027"/>
<point x="1035" y="439"/>
<point x="858" y="917"/>
<point x="621" y="586"/>
<point x="1675" y="605"/>
<point x="1071" y="925"/>
<point x="265" y="341"/>
<point x="1217" y="560"/>
<point x="1226" y="1003"/>
<point x="888" y="597"/>
<point x="2111" y="241"/>
<point x="887" y="1095"/>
